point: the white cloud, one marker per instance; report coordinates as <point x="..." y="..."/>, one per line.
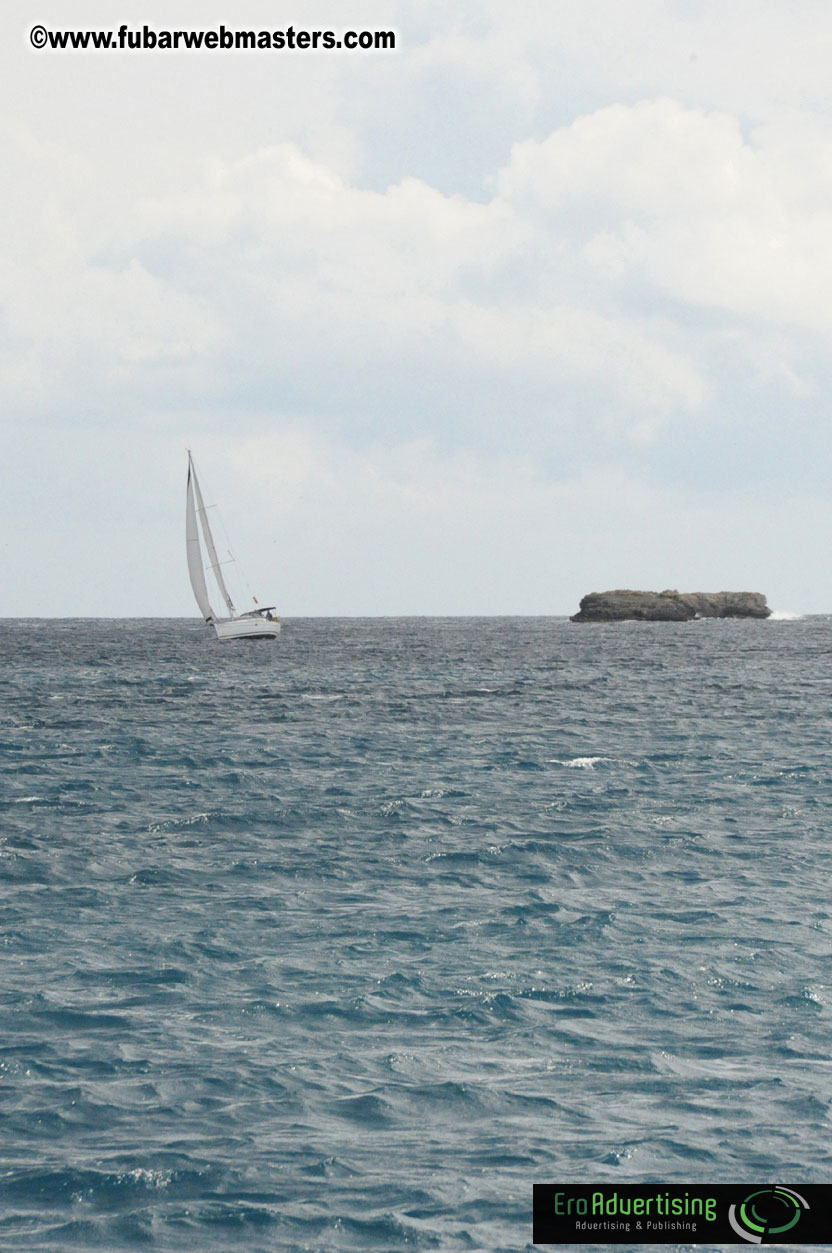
<point x="275" y="263"/>
<point x="66" y="314"/>
<point x="689" y="206"/>
<point x="281" y="241"/>
<point x="647" y="159"/>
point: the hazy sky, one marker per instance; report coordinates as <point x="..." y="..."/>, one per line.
<point x="539" y="304"/>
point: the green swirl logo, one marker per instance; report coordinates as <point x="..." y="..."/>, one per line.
<point x="767" y="1214"/>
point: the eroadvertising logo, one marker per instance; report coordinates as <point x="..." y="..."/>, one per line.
<point x="769" y="1212"/>
<point x="688" y="1213"/>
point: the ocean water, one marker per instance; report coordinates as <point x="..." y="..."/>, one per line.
<point x="344" y="941"/>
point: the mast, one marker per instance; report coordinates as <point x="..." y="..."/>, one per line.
<point x="209" y="539"/>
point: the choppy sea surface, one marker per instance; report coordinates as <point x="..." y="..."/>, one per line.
<point x="344" y="941"/>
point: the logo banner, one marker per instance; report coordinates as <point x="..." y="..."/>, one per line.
<point x="682" y="1213"/>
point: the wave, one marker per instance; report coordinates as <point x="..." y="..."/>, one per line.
<point x="221" y="928"/>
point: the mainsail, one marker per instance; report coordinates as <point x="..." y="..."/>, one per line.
<point x="209" y="541"/>
<point x="195" y="568"/>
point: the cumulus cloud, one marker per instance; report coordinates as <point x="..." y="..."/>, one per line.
<point x="70" y="318"/>
<point x="275" y="263"/>
<point x="680" y="199"/>
<point x="297" y="259"/>
<point x="275" y="267"/>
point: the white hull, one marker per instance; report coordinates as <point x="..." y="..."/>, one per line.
<point x="247" y="629"/>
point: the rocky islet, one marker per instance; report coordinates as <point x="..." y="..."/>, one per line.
<point x="624" y="604"/>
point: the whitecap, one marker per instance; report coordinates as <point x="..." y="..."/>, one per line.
<point x="579" y="763"/>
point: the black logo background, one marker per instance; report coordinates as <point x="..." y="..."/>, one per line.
<point x="813" y="1226"/>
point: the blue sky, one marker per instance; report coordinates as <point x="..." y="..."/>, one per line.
<point x="536" y="305"/>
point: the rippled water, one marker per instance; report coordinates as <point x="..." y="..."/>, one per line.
<point x="344" y="942"/>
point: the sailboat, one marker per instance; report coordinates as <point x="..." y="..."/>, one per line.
<point x="256" y="624"/>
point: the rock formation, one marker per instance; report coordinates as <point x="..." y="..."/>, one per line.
<point x="669" y="606"/>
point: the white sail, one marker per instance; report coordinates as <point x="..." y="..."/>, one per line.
<point x="209" y="541"/>
<point x="195" y="569"/>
